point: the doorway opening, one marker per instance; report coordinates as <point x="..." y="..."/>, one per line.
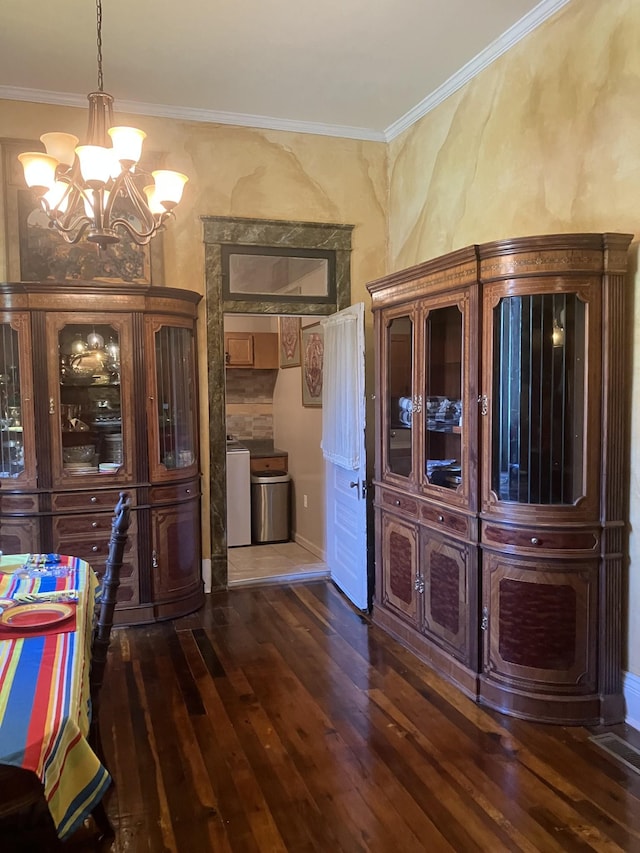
<point x="220" y="233"/>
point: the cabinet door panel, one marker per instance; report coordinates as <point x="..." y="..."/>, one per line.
<point x="90" y="390"/>
<point x="399" y="574"/>
<point x="541" y="432"/>
<point x="397" y="415"/>
<point x="449" y="571"/>
<point x="176" y="550"/>
<point x="172" y="398"/>
<point x="238" y="348"/>
<point x="19" y="535"/>
<point x="540" y="619"/>
<point x="17" y="431"/>
<point x="449" y="398"/>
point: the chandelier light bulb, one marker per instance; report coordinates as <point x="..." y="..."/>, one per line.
<point x="169" y="187"/>
<point x="127" y="144"/>
<point x="39" y="169"/>
<point x="95" y="164"/>
<point x="62" y="146"/>
<point x="154" y="205"/>
<point x="57" y="197"/>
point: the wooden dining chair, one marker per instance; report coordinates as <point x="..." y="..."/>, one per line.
<point x="102" y="636"/>
<point x="105" y="610"/>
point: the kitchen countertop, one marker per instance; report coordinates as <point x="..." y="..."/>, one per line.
<point x="262" y="448"/>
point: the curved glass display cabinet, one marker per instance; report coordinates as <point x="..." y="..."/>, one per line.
<point x="501" y="533"/>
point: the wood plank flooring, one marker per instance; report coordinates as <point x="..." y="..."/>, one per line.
<point x="279" y="719"/>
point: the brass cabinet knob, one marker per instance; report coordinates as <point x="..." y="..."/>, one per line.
<point x="534" y="540"/>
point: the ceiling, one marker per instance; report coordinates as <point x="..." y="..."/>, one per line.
<point x="357" y="68"/>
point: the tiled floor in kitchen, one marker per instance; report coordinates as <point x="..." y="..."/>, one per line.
<point x="276" y="563"/>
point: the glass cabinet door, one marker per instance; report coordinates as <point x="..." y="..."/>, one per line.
<point x="444" y="463"/>
<point x="399" y="405"/>
<point x="173" y="405"/>
<point x="92" y="380"/>
<point x="538" y="435"/>
<point x="17" y="447"/>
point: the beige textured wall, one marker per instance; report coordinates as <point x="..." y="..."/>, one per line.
<point x="545" y="140"/>
<point x="244" y="172"/>
<point x="298" y="430"/>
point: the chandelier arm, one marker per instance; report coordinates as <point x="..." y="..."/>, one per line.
<point x="125" y="185"/>
<point x="70" y="234"/>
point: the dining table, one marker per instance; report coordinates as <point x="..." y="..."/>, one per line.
<point x="47" y="604"/>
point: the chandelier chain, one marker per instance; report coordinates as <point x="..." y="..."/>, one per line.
<point x="99" y="43"/>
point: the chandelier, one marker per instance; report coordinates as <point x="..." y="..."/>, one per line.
<point x="97" y="188"/>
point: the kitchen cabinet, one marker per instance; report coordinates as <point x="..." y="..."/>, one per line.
<point x="500" y="459"/>
<point x="94" y="401"/>
<point x="258" y="350"/>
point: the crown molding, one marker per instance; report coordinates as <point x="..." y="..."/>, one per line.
<point x="507" y="40"/>
<point x="42" y="96"/>
<point x="502" y="44"/>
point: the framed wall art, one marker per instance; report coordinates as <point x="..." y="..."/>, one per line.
<point x="36" y="252"/>
<point x="312" y="346"/>
<point x="289" y="341"/>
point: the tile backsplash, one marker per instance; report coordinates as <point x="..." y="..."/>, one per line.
<point x="249" y="395"/>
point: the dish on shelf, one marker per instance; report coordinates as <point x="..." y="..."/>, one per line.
<point x="81" y="453"/>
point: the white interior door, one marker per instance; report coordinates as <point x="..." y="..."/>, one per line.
<point x="343" y="425"/>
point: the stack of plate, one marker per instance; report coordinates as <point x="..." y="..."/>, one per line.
<point x="80" y="468"/>
<point x="113" y="447"/>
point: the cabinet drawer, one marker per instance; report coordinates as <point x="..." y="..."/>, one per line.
<point x="88" y="500"/>
<point x="97" y="524"/>
<point x="539" y="539"/>
<point x="173" y="493"/>
<point x="401" y="503"/>
<point x="445" y="520"/>
<point x="18" y="503"/>
<point x="269" y="463"/>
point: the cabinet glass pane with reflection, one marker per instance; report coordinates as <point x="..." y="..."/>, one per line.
<point x="90" y="399"/>
<point x="443" y="397"/>
<point x="399" y="403"/>
<point x="176" y="390"/>
<point x="11" y="423"/>
<point x="539" y="399"/>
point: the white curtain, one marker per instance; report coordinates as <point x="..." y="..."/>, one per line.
<point x="342" y="396"/>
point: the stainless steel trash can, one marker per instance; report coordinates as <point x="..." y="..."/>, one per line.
<point x="270" y="512"/>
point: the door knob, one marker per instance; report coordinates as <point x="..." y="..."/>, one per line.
<point x="354" y="485"/>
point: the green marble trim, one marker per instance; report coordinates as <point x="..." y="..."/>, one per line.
<point x="220" y="231"/>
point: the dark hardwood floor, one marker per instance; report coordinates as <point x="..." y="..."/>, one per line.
<point x="278" y="719"/>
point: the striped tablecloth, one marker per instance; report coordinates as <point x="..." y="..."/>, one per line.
<point x="44" y="698"/>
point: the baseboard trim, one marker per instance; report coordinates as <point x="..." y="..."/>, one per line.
<point x="304" y="543"/>
<point x="293" y="577"/>
<point x="206" y="574"/>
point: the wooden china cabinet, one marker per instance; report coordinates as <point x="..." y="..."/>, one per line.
<point x="98" y="393"/>
<point x="500" y="470"/>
